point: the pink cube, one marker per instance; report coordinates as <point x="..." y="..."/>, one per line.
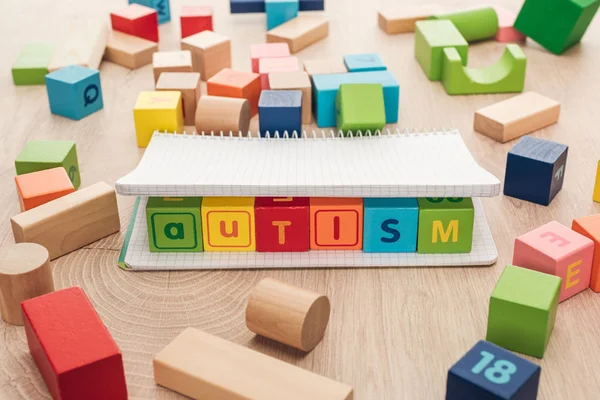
<point x="283" y="64"/>
<point x="555" y="249"/>
<point x="506" y="31"/>
<point x="267" y="50"/>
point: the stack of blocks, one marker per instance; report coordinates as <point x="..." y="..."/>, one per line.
<point x="39" y="155"/>
<point x="74" y="91"/>
<point x="162" y="7"/>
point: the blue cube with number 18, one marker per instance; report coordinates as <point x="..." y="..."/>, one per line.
<point x="390" y="225"/>
<point x="162" y="7"/>
<point x="74" y="91"/>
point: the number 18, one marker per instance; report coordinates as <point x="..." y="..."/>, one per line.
<point x="501" y="371"/>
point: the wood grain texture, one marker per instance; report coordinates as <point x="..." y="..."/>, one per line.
<point x="393" y="333"/>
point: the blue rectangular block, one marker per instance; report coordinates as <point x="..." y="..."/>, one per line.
<point x="162" y="7"/>
<point x="488" y="372"/>
<point x="312" y="5"/>
<point x="247" y="6"/>
<point x="364" y="62"/>
<point x="280" y="111"/>
<point x="280" y="11"/>
<point x="74" y="91"/>
<point x="326" y="86"/>
<point x="390" y="225"/>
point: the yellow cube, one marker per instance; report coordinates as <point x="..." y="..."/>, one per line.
<point x="157" y="111"/>
<point x="228" y="224"/>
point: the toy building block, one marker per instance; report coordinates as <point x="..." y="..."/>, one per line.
<point x="312" y="5"/>
<point x="267" y="50"/>
<point x="474" y="23"/>
<point x="280" y="11"/>
<point x="201" y="366"/>
<point x="196" y="19"/>
<point x="488" y="371"/>
<point x="523" y="310"/>
<point x="222" y="114"/>
<point x="431" y="38"/>
<point x="403" y="19"/>
<point x="136" y="20"/>
<point x="74" y="92"/>
<point x="390" y="225"/>
<point x="506" y="30"/>
<point x="40" y="187"/>
<point x="288" y="314"/>
<point x="280" y="111"/>
<point x="282" y="224"/>
<point x="512" y="118"/>
<point x="83" y="45"/>
<point x="70" y="222"/>
<point x="590" y="227"/>
<point x="157" y="111"/>
<point x="38" y="155"/>
<point x="360" y="107"/>
<point x="269" y="65"/>
<point x="162" y="7"/>
<point x="336" y="223"/>
<point x="535" y="170"/>
<point x="298" y="80"/>
<point x="445" y="225"/>
<point x="247" y="6"/>
<point x="364" y="62"/>
<point x="555" y="249"/>
<point x="31" y="66"/>
<point x="75" y="353"/>
<point x="319" y="67"/>
<point x="174" y="224"/>
<point x="237" y="84"/>
<point x="228" y="224"/>
<point x="188" y="83"/>
<point x="129" y="51"/>
<point x="300" y="32"/>
<point x="596" y="196"/>
<point x="171" y="61"/>
<point x="25" y="273"/>
<point x="211" y="52"/>
<point x="556" y="24"/>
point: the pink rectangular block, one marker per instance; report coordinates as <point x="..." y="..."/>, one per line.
<point x="506" y="30"/>
<point x="557" y="250"/>
<point x="267" y="50"/>
<point x="283" y="64"/>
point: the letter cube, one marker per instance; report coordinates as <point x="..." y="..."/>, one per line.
<point x="228" y="224"/>
<point x="31" y="66"/>
<point x="488" y="371"/>
<point x="162" y="7"/>
<point x="556" y="24"/>
<point x="196" y="19"/>
<point x="188" y="83"/>
<point x="535" y="170"/>
<point x="280" y="111"/>
<point x="336" y="223"/>
<point x="555" y="249"/>
<point x="364" y="62"/>
<point x="74" y="91"/>
<point x="40" y="187"/>
<point x="157" y="111"/>
<point x="360" y="107"/>
<point x="171" y="61"/>
<point x="238" y="84"/>
<point x="298" y="80"/>
<point x="445" y="225"/>
<point x="431" y="38"/>
<point x="282" y="224"/>
<point x="38" y="155"/>
<point x="590" y="227"/>
<point x="280" y="64"/>
<point x="76" y="355"/>
<point x="390" y="225"/>
<point x="280" y="11"/>
<point x="523" y="310"/>
<point x="174" y="224"/>
<point x="267" y="50"/>
<point x="211" y="52"/>
<point x="136" y="20"/>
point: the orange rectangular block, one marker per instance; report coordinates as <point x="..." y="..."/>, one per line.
<point x="336" y="223"/>
<point x="238" y="84"/>
<point x="267" y="50"/>
<point x="590" y="227"/>
<point x="37" y="188"/>
<point x="282" y="64"/>
<point x="188" y="83"/>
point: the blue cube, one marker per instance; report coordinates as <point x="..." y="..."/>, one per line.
<point x="280" y="111"/>
<point x="280" y="11"/>
<point x="390" y="225"/>
<point x="162" y="7"/>
<point x="312" y="5"/>
<point x="489" y="372"/>
<point x="247" y="6"/>
<point x="364" y="62"/>
<point x="74" y="91"/>
<point x="535" y="170"/>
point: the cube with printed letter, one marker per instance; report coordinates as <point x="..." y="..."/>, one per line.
<point x="157" y="111"/>
<point x="228" y="224"/>
<point x="74" y="91"/>
<point x="445" y="225"/>
<point x="282" y="224"/>
<point x="174" y="224"/>
<point x="38" y="155"/>
<point x="557" y="250"/>
<point x="590" y="227"/>
<point x="390" y="225"/>
<point x="336" y="223"/>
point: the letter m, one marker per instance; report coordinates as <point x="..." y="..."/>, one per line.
<point x="438" y="230"/>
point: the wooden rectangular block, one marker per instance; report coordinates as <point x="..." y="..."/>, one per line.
<point x="171" y="61"/>
<point x="228" y="224"/>
<point x="298" y="80"/>
<point x="280" y="111"/>
<point x="512" y="118"/>
<point x="445" y="225"/>
<point x="31" y="66"/>
<point x="596" y="196"/>
<point x="280" y="11"/>
<point x="390" y="225"/>
<point x="506" y="29"/>
<point x="70" y="222"/>
<point x="174" y="224"/>
<point x="267" y="50"/>
<point x="83" y="45"/>
<point x="75" y="353"/>
<point x="40" y="187"/>
<point x="129" y="51"/>
<point x="336" y="223"/>
<point x="201" y="366"/>
<point x="300" y="32"/>
<point x="157" y="111"/>
<point x="136" y="20"/>
<point x="360" y="107"/>
<point x="238" y="84"/>
<point x="38" y="155"/>
<point x="402" y="19"/>
<point x="314" y="67"/>
<point x="211" y="52"/>
<point x="188" y="83"/>
<point x="195" y="19"/>
<point x="282" y="64"/>
<point x="74" y="92"/>
<point x="590" y="227"/>
<point x="282" y="224"/>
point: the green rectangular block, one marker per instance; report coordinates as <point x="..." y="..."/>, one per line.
<point x="431" y="37"/>
<point x="445" y="225"/>
<point x="32" y="65"/>
<point x="474" y="24"/>
<point x="174" y="224"/>
<point x="360" y="107"/>
<point x="523" y="310"/>
<point x="39" y="155"/>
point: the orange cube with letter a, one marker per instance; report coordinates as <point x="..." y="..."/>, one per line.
<point x="336" y="223"/>
<point x="228" y="224"/>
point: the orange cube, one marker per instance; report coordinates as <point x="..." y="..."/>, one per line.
<point x="231" y="83"/>
<point x="281" y="64"/>
<point x="37" y="188"/>
<point x="336" y="223"/>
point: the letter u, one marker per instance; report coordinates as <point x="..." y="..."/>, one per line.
<point x="234" y="229"/>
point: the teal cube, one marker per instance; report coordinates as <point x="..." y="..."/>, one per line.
<point x="445" y="225"/>
<point x="364" y="62"/>
<point x="39" y="155"/>
<point x="431" y="38"/>
<point x="174" y="224"/>
<point x="32" y="65"/>
<point x="390" y="225"/>
<point x="162" y="7"/>
<point x="74" y="91"/>
<point x="280" y="11"/>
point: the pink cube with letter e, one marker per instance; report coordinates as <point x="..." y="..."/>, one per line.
<point x="555" y="249"/>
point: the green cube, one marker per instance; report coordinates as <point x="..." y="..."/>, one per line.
<point x="522" y="310"/>
<point x="360" y="107"/>
<point x="32" y="65"/>
<point x="445" y="225"/>
<point x="174" y="224"/>
<point x="40" y="155"/>
<point x="431" y="37"/>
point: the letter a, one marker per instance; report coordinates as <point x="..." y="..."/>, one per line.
<point x="438" y="230"/>
<point x="179" y="233"/>
<point x="234" y="229"/>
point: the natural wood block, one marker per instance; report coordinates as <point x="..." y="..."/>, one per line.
<point x="267" y="50"/>
<point x="136" y="20"/>
<point x="296" y="80"/>
<point x="445" y="225"/>
<point x="201" y="366"/>
<point x="83" y="45"/>
<point x="300" y="32"/>
<point x="360" y="107"/>
<point x="282" y="224"/>
<point x="590" y="227"/>
<point x="506" y="30"/>
<point x="222" y="114"/>
<point x="157" y="111"/>
<point x="239" y="84"/>
<point x="211" y="52"/>
<point x="31" y="67"/>
<point x="171" y="61"/>
<point x="129" y="51"/>
<point x="280" y="111"/>
<point x="596" y="196"/>
<point x="228" y="224"/>
<point x="403" y="19"/>
<point x="188" y="83"/>
<point x="336" y="223"/>
<point x="70" y="222"/>
<point x="174" y="224"/>
<point x="40" y="187"/>
<point x="195" y="19"/>
<point x="289" y="314"/>
<point x="74" y="91"/>
<point x="24" y="273"/>
<point x="512" y="118"/>
<point x="282" y="64"/>
<point x="38" y="155"/>
<point x="315" y="67"/>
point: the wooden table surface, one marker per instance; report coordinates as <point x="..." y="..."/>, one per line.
<point x="393" y="333"/>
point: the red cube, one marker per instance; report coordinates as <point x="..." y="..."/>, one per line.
<point x="196" y="19"/>
<point x="282" y="224"/>
<point x="136" y="20"/>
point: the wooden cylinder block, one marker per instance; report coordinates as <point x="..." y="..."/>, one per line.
<point x="222" y="114"/>
<point x="288" y="314"/>
<point x="24" y="274"/>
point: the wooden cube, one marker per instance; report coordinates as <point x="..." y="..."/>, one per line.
<point x="157" y="111"/>
<point x="38" y="155"/>
<point x="280" y="111"/>
<point x="280" y="11"/>
<point x="317" y="67"/>
<point x="171" y="61"/>
<point x="281" y="64"/>
<point x="196" y="19"/>
<point x="336" y="223"/>
<point x="390" y="225"/>
<point x="174" y="224"/>
<point x="237" y="84"/>
<point x="431" y="38"/>
<point x="267" y="50"/>
<point x="162" y="7"/>
<point x="40" y="187"/>
<point x="129" y="51"/>
<point x="211" y="52"/>
<point x="298" y="80"/>
<point x="188" y="83"/>
<point x="445" y="225"/>
<point x="282" y="224"/>
<point x="535" y="170"/>
<point x="402" y="19"/>
<point x="74" y="92"/>
<point x="555" y="249"/>
<point x="83" y="44"/>
<point x="228" y="224"/>
<point x="222" y="114"/>
<point x="364" y="62"/>
<point x="590" y="227"/>
<point x="136" y="20"/>
<point x="506" y="29"/>
<point x="31" y="66"/>
<point x="300" y="32"/>
<point x="360" y="107"/>
<point x="523" y="310"/>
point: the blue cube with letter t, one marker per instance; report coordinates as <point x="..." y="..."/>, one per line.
<point x="74" y="91"/>
<point x="162" y="7"/>
<point x="390" y="225"/>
